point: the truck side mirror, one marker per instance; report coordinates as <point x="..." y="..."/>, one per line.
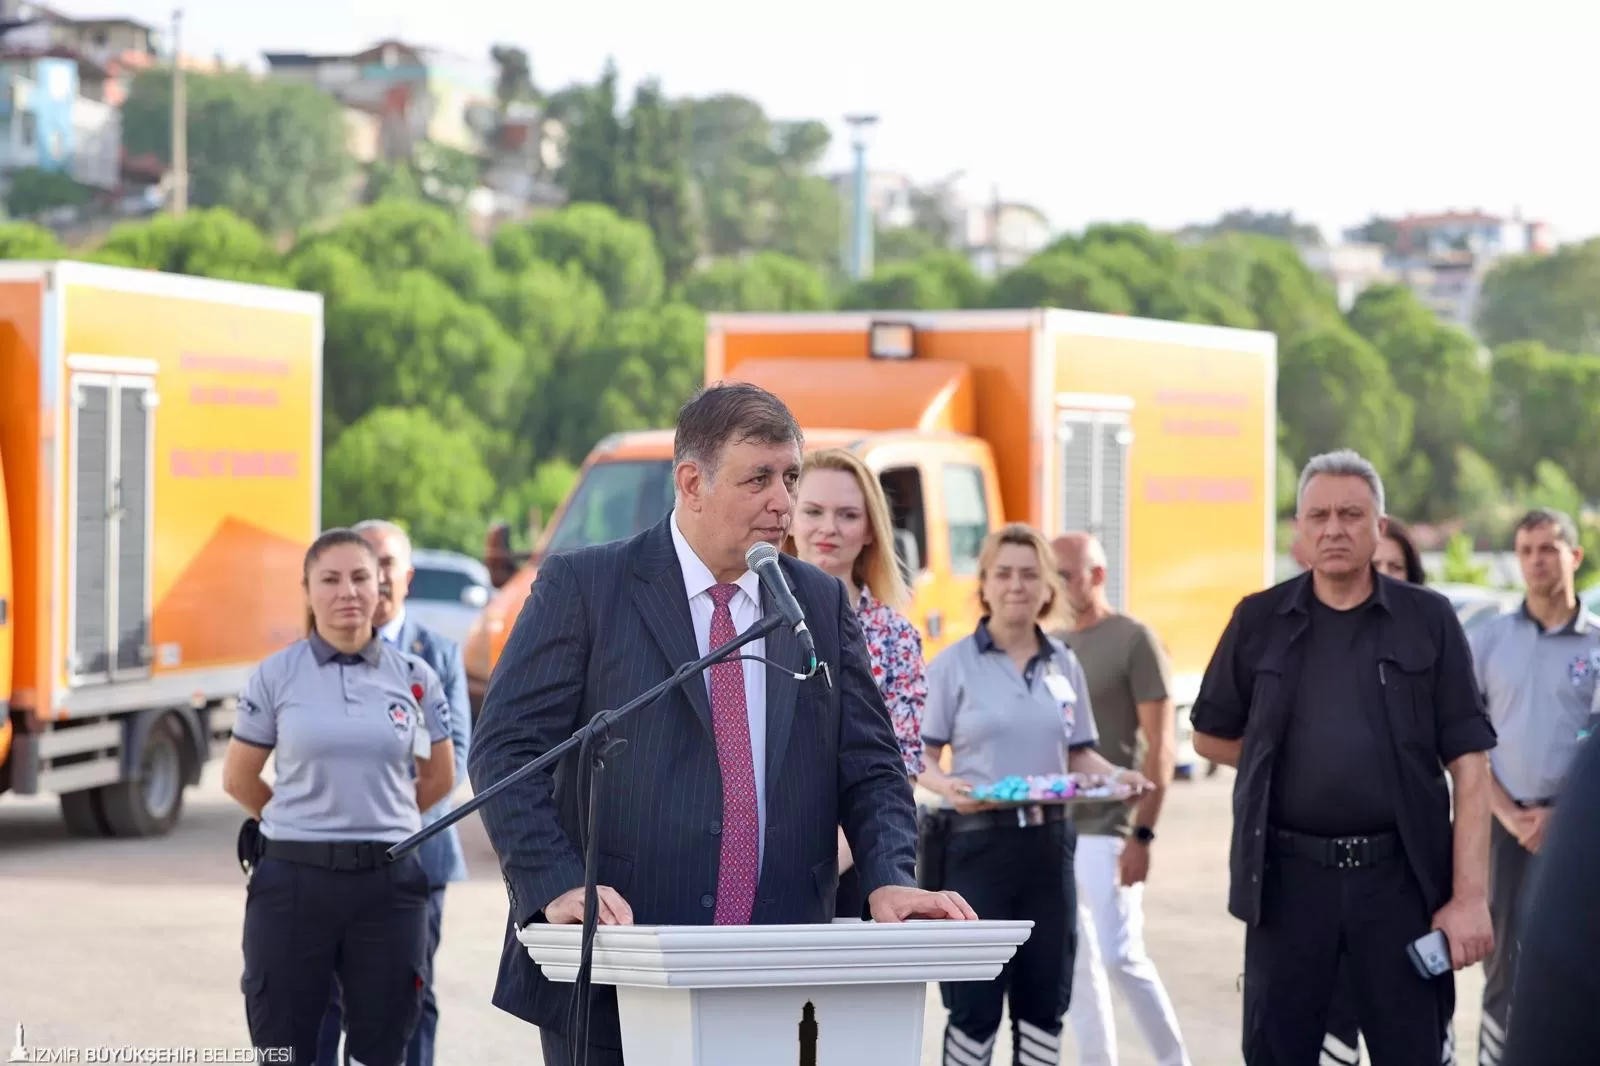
<point x="475" y="596"/>
<point x="905" y="551"/>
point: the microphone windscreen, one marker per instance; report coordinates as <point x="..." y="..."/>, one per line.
<point x="760" y="552"/>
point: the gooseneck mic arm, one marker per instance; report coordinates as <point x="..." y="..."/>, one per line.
<point x="763" y="559"/>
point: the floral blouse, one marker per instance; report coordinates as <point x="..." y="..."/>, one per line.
<point x="895" y="648"/>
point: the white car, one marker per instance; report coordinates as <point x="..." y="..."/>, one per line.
<point x="447" y="592"/>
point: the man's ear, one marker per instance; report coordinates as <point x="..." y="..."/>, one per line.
<point x="687" y="478"/>
<point x="411" y="577"/>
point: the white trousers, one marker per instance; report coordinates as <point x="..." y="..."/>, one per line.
<point x="1111" y="938"/>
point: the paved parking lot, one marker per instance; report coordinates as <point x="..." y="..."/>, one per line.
<point x="138" y="942"/>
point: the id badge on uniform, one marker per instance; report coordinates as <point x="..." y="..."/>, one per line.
<point x="1060" y="688"/>
<point x="421" y="746"/>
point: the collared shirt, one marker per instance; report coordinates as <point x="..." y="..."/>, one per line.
<point x="344" y="729"/>
<point x="1430" y="715"/>
<point x="999" y="722"/>
<point x="894" y="648"/>
<point x="745" y="606"/>
<point x="390" y="630"/>
<point x="1540" y="688"/>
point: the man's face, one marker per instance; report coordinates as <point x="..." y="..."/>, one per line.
<point x="1548" y="561"/>
<point x="1339" y="525"/>
<point x="394" y="574"/>
<point x="749" y="497"/>
<point x="1080" y="578"/>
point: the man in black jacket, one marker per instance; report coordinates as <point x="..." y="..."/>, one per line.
<point x="1342" y="696"/>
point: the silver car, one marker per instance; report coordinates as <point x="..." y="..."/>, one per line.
<point x="447" y="592"/>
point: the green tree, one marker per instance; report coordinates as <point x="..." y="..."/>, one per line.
<point x="407" y="465"/>
<point x="766" y="281"/>
<point x="594" y="170"/>
<point x="435" y="174"/>
<point x="1542" y="406"/>
<point x="1438" y="368"/>
<point x="394" y="236"/>
<point x="656" y="188"/>
<point x="34" y="191"/>
<point x="1061" y="279"/>
<point x="210" y="243"/>
<point x="25" y="240"/>
<point x="271" y="151"/>
<point x="616" y="252"/>
<point x="1267" y="277"/>
<point x="412" y="342"/>
<point x="902" y="244"/>
<point x="1545" y="298"/>
<point x="1334" y="391"/>
<point x="643" y="367"/>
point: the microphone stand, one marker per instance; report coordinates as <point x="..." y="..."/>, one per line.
<point x="592" y="733"/>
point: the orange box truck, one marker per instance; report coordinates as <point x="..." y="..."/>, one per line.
<point x="1160" y="437"/>
<point x="160" y="469"/>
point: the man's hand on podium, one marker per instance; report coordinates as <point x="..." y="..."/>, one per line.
<point x="567" y="908"/>
<point x="896" y="903"/>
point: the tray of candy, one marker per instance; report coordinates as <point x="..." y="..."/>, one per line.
<point x="1054" y="789"/>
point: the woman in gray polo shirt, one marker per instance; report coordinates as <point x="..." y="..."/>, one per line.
<point x="1010" y="700"/>
<point x="361" y="735"/>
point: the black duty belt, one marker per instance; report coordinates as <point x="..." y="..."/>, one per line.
<point x="1341" y="853"/>
<point x="1010" y="818"/>
<point x="328" y="854"/>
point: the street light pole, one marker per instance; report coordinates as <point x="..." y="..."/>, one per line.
<point x="180" y="124"/>
<point x="860" y="264"/>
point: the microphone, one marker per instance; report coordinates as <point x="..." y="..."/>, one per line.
<point x="763" y="559"/>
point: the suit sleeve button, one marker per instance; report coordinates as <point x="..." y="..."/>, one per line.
<point x="708" y="900"/>
<point x="716" y="828"/>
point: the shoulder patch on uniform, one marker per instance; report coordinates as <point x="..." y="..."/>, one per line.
<point x="247" y="706"/>
<point x="416" y="646"/>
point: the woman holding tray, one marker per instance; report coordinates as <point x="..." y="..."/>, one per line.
<point x="842" y="526"/>
<point x="1011" y="702"/>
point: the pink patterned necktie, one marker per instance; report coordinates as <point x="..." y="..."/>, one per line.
<point x="741" y="834"/>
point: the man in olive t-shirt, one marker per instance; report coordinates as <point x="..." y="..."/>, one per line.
<point x="1130" y="691"/>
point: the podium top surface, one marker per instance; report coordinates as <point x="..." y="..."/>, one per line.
<point x="847" y="951"/>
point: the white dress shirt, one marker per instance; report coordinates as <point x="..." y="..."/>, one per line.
<point x="745" y="606"/>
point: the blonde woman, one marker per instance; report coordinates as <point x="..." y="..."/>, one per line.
<point x="841" y="525"/>
<point x="1010" y="700"/>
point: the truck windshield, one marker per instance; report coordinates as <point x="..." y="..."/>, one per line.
<point x="614" y="501"/>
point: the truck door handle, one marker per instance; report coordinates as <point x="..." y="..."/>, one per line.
<point x="935" y="624"/>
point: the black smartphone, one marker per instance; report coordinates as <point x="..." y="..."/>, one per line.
<point x="1430" y="954"/>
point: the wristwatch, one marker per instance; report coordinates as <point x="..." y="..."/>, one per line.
<point x="1144" y="834"/>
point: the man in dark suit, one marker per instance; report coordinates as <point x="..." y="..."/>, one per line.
<point x="724" y="806"/>
<point x="441" y="853"/>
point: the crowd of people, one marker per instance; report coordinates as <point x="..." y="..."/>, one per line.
<point x="1395" y="780"/>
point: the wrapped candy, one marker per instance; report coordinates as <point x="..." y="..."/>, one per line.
<point x="1047" y="787"/>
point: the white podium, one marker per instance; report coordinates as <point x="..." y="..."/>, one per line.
<point x="851" y="993"/>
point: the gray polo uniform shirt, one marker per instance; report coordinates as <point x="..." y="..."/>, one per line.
<point x="1540" y="691"/>
<point x="1000" y="722"/>
<point x="344" y="731"/>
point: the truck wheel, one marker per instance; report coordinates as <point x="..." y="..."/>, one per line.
<point x="84" y="815"/>
<point x="149" y="804"/>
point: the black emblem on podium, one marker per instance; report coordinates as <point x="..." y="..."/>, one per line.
<point x="808" y="1035"/>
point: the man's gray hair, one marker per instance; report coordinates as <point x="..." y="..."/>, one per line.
<point x="385" y="528"/>
<point x="1342" y="463"/>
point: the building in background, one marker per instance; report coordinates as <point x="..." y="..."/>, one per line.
<point x="413" y="94"/>
<point x="1349" y="268"/>
<point x="47" y="123"/>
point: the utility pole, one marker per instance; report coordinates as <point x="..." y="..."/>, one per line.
<point x="180" y="124"/>
<point x="859" y="263"/>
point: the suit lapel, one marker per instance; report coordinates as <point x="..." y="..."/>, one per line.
<point x="783" y="649"/>
<point x="658" y="592"/>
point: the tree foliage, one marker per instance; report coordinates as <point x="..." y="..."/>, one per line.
<point x="271" y="151"/>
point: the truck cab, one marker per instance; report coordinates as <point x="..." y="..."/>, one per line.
<point x="944" y="498"/>
<point x="6" y="652"/>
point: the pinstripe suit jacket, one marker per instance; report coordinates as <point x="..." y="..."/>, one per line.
<point x="601" y="626"/>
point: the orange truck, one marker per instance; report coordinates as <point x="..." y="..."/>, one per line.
<point x="1160" y="437"/>
<point x="160" y="479"/>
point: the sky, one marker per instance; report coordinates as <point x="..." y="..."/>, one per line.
<point x="1162" y="111"/>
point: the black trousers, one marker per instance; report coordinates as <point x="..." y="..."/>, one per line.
<point x="1341" y="1047"/>
<point x="558" y="1052"/>
<point x="306" y="924"/>
<point x="1317" y="920"/>
<point x="1510" y="868"/>
<point x="1012" y="872"/>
